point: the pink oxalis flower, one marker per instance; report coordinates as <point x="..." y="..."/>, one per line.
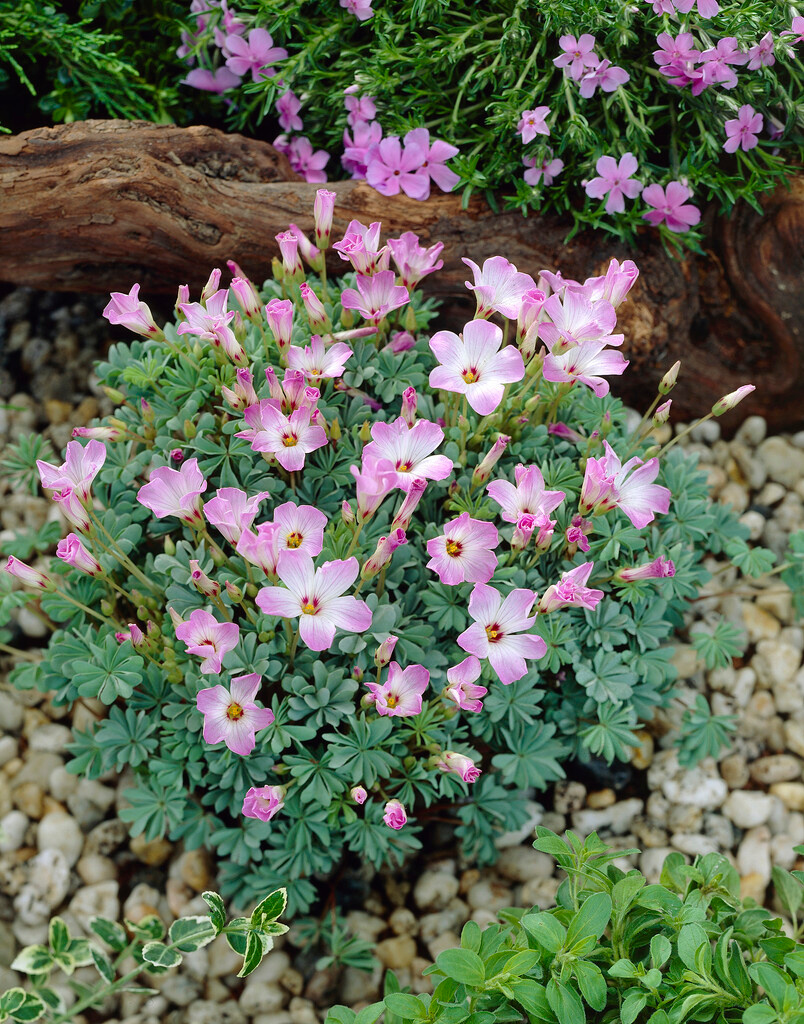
<point x="232" y="511"/>
<point x="72" y="551"/>
<point x="571" y="590"/>
<point x="498" y="287"/>
<point x="395" y="815"/>
<point x="609" y="484"/>
<point x="412" y="260"/>
<point x="289" y="438"/>
<point x="462" y="685"/>
<point x="742" y="131"/>
<point x="464" y="553"/>
<point x="409" y="450"/>
<point x="499" y="631"/>
<point x="300" y="528"/>
<point x="175" y="492"/>
<point x="670" y="206"/>
<point x="457" y="764"/>
<point x="208" y="638"/>
<point x="318" y="361"/>
<point x="474" y="364"/>
<point x="131" y="312"/>
<point x="615" y="181"/>
<point x="401" y="693"/>
<point x="585" y="364"/>
<point x="81" y="465"/>
<point x="263" y="802"/>
<point x="528" y="497"/>
<point x="376" y="296"/>
<point x="231" y="715"/>
<point x="576" y="318"/>
<point x="659" y="568"/>
<point x="315" y="597"/>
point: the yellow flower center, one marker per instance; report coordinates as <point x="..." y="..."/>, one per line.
<point x="290" y="441"/>
<point x="403" y="467"/>
<point x="494" y="633"/>
<point x="233" y="712"/>
<point x="308" y="608"/>
<point x="294" y="539"/>
<point x="453" y="548"/>
<point x="391" y="701"/>
<point x="470" y="376"/>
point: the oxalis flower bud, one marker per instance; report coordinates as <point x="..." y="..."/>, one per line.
<point x="404" y="514"/>
<point x="202" y="583"/>
<point x="235" y="593"/>
<point x="382" y="554"/>
<point x="483" y="469"/>
<point x="385" y="651"/>
<point x="28" y="575"/>
<point x="732" y="400"/>
<point x="668" y="382"/>
<point x="662" y="414"/>
<point x="323" y="210"/>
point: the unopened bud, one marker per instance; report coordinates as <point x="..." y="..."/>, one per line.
<point x="335" y="430"/>
<point x="668" y="382"/>
<point x="385" y="651"/>
<point x="409" y="402"/>
<point x="483" y="469"/>
<point x="235" y="593"/>
<point x="106" y="607"/>
<point x="277" y="271"/>
<point x="147" y="410"/>
<point x="212" y="285"/>
<point x="365" y="432"/>
<point x="240" y="332"/>
<point x="347" y="318"/>
<point x="410" y="320"/>
<point x="732" y="400"/>
<point x="182" y="298"/>
<point x="404" y="513"/>
<point x="382" y="554"/>
<point x="116" y="396"/>
<point x="347" y="515"/>
<point x="662" y="414"/>
<point x="189" y="429"/>
<point x="170" y="546"/>
<point x="202" y="583"/>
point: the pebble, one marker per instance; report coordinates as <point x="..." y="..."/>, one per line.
<point x="94" y="868"/>
<point x="153" y="853"/>
<point x="753" y="854"/>
<point x="794" y="735"/>
<point x="204" y="1011"/>
<point x="651" y="861"/>
<point x="776" y="768"/>
<point x="61" y="832"/>
<point x="396" y="952"/>
<point x="488" y="895"/>
<point x="9" y="747"/>
<point x="99" y="900"/>
<point x="601" y="798"/>
<point x="695" y="844"/>
<point x="11" y="712"/>
<point x="434" y="889"/>
<point x="775" y="661"/>
<point x="752" y="431"/>
<point x="50" y="876"/>
<point x="790" y="793"/>
<point x="617" y="818"/>
<point x="526" y="831"/>
<point x="523" y="863"/>
<point x="569" y="796"/>
<point x="784" y="463"/>
<point x="447" y="940"/>
<point x="696" y="787"/>
<point x="13" y="827"/>
<point x="748" y="808"/>
<point x="195" y="869"/>
<point x="403" y="922"/>
<point x="52" y="737"/>
<point x="734" y="770"/>
<point x="759" y="624"/>
<point x="261" y="997"/>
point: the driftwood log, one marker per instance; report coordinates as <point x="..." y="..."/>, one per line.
<point x="98" y="205"/>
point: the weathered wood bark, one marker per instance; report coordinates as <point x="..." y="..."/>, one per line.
<point x="95" y="206"/>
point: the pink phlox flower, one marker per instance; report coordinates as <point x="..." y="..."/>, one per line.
<point x="615" y="182"/>
<point x="436" y="154"/>
<point x="255" y="55"/>
<point x="706" y="8"/>
<point x="288" y="106"/>
<point x="356" y="147"/>
<point x="578" y="54"/>
<point x="571" y="590"/>
<point x="315" y="597"/>
<point x="796" y="30"/>
<point x="305" y="161"/>
<point x="263" y="802"/>
<point x="659" y="568"/>
<point x="218" y="81"/>
<point x="577" y="319"/>
<point x="409" y="450"/>
<point x="498" y="287"/>
<point x="317" y="361"/>
<point x="376" y="296"/>
<point x="609" y="484"/>
<point x="300" y="528"/>
<point x="72" y="551"/>
<point x="761" y="54"/>
<point x="586" y="364"/>
<point x="412" y="260"/>
<point x="361" y="247"/>
<point x="549" y="168"/>
<point x="682" y="73"/>
<point x="401" y="693"/>
<point x="131" y="312"/>
<point x="464" y="553"/>
<point x="81" y="465"/>
<point x="528" y="497"/>
<point x="359" y="108"/>
<point x="532" y="123"/>
<point x="375" y="479"/>
<point x="716" y="62"/>
<point x="360" y="8"/>
<point x="457" y="764"/>
<point x="670" y="206"/>
<point x="208" y="638"/>
<point x="231" y="715"/>
<point x="261" y="547"/>
<point x="498" y="632"/>
<point x="743" y="131"/>
<point x="606" y="76"/>
<point x="175" y="492"/>
<point x="662" y="6"/>
<point x="289" y="438"/>
<point x="392" y="167"/>
<point x="461" y="688"/>
<point x="681" y="48"/>
<point x="475" y="364"/>
<point x="395" y="815"/>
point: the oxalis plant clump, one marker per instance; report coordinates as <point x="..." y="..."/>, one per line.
<point x="616" y="950"/>
<point x="334" y="575"/>
<point x="615" y="114"/>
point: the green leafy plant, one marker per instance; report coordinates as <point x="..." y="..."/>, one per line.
<point x="617" y="950"/>
<point x="155" y="950"/>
